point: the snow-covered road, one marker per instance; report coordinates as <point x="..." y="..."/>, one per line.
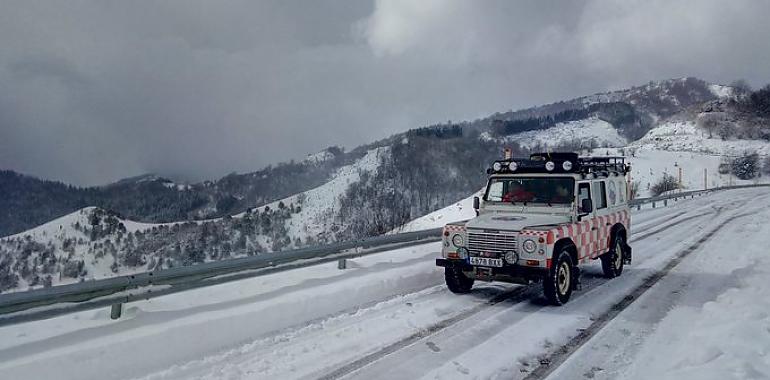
<point x="389" y="316"/>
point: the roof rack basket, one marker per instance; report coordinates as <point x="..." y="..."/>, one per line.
<point x="603" y="164"/>
<point x="561" y="162"/>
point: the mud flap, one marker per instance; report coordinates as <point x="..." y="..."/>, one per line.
<point x="577" y="284"/>
<point x="626" y="253"/>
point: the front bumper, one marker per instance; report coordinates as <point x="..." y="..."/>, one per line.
<point x="507" y="273"/>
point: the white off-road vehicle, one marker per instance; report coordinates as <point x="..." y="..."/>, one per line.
<point x="541" y="218"/>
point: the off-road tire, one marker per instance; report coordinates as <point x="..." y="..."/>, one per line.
<point x="613" y="260"/>
<point x="457" y="281"/>
<point x="560" y="279"/>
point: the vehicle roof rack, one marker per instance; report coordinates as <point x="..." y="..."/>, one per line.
<point x="561" y="162"/>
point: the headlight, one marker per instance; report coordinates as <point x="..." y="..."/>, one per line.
<point x="567" y="166"/>
<point x="462" y="253"/>
<point x="457" y="240"/>
<point x="496" y="166"/>
<point x="511" y="257"/>
<point x="529" y="246"/>
<point x="513" y="166"/>
<point x="550" y="166"/>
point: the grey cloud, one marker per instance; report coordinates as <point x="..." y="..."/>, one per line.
<point x="93" y="91"/>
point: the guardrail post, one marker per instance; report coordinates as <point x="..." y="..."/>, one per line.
<point x="638" y="207"/>
<point x="116" y="310"/>
<point x="665" y="202"/>
<point x="342" y="263"/>
<point x="653" y="204"/>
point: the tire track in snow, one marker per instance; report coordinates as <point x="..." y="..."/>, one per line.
<point x="560" y="355"/>
<point x="514" y="296"/>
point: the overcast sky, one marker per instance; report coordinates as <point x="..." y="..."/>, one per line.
<point x="94" y="91"/>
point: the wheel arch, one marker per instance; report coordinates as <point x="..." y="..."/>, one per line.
<point x="618" y="229"/>
<point x="569" y="245"/>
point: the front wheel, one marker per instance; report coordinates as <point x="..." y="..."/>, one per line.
<point x="558" y="283"/>
<point x="457" y="281"/>
<point x="612" y="261"/>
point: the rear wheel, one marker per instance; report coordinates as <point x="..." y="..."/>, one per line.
<point x="457" y="281"/>
<point x="612" y="261"/>
<point x="559" y="282"/>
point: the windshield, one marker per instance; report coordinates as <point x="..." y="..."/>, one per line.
<point x="531" y="190"/>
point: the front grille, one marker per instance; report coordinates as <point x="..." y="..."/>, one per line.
<point x="489" y="242"/>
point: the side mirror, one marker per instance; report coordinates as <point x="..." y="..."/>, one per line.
<point x="475" y="203"/>
<point x="586" y="206"/>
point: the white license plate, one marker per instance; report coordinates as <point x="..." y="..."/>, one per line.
<point x="486" y="262"/>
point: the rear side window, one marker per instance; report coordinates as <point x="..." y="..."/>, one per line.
<point x="600" y="195"/>
<point x="622" y="192"/>
<point x="612" y="193"/>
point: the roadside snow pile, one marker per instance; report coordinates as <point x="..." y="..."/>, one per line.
<point x="686" y="136"/>
<point x="568" y="133"/>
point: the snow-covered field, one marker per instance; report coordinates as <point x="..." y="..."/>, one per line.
<point x="389" y="316"/>
<point x="685" y="136"/>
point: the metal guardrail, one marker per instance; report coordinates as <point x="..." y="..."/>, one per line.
<point x="63" y="299"/>
<point x="638" y="202"/>
<point x="58" y="300"/>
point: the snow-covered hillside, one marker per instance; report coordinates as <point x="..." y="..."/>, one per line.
<point x="93" y="243"/>
<point x="317" y="215"/>
<point x="461" y="210"/>
<point x="686" y="136"/>
<point x="597" y="132"/>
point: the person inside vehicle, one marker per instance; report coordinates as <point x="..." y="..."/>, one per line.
<point x="517" y="193"/>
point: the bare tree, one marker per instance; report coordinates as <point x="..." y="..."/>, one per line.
<point x="710" y="122"/>
<point x="664" y="184"/>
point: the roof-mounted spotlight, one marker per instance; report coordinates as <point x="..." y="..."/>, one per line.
<point x="513" y="166"/>
<point x="550" y="166"/>
<point x="496" y="166"/>
<point x="567" y="166"/>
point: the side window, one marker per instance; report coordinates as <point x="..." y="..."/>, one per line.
<point x="584" y="192"/>
<point x="612" y="192"/>
<point x="600" y="195"/>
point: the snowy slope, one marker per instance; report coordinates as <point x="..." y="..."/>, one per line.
<point x="39" y="255"/>
<point x="685" y="136"/>
<point x="568" y="133"/>
<point x="61" y="228"/>
<point x="319" y="204"/>
<point x="462" y="210"/>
